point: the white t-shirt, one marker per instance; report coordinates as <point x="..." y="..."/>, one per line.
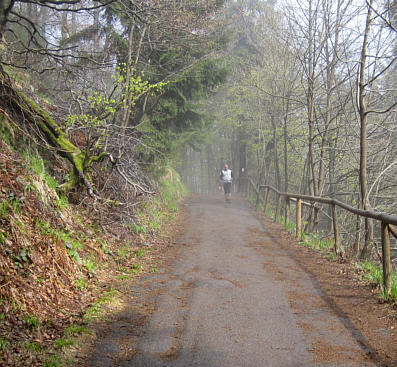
<point x="226" y="175"/>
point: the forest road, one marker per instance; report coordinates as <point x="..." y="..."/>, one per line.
<point x="234" y="297"/>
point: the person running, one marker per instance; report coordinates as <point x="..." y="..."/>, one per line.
<point x="226" y="177"/>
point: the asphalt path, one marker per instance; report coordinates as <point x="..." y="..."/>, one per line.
<point x="226" y="303"/>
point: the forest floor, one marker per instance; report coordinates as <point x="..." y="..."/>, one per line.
<point x="235" y="289"/>
<point x="65" y="263"/>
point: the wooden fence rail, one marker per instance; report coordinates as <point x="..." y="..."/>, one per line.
<point x="387" y="220"/>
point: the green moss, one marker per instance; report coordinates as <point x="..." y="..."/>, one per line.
<point x="59" y="139"/>
<point x="6" y="131"/>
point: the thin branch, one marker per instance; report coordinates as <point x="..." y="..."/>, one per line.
<point x="53" y="5"/>
<point x="387" y="21"/>
<point x="384" y="111"/>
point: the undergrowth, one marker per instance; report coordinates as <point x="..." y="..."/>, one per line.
<point x="371" y="272"/>
<point x="161" y="209"/>
<point x="59" y="263"/>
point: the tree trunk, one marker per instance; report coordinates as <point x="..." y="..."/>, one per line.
<point x="276" y="158"/>
<point x="35" y="116"/>
<point x="285" y="130"/>
<point x="363" y="112"/>
<point x="311" y="118"/>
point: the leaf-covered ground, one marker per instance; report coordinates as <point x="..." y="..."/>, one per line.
<point x="59" y="267"/>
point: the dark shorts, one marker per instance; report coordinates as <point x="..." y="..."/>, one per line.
<point x="227" y="187"/>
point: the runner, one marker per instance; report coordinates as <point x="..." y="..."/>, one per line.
<point x="226" y="177"/>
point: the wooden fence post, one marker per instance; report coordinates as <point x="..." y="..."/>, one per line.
<point x="386" y="258"/>
<point x="266" y="199"/>
<point x="337" y="245"/>
<point x="299" y="219"/>
<point x="258" y="194"/>
<point x="277" y="213"/>
<point x="287" y="209"/>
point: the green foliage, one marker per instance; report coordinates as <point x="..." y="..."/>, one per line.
<point x="4" y="343"/>
<point x="81" y="283"/>
<point x="45" y="227"/>
<point x="123" y="277"/>
<point x="139" y="253"/>
<point x="314" y="240"/>
<point x="27" y="186"/>
<point x="54" y="361"/>
<point x="172" y="189"/>
<point x="178" y="119"/>
<point x="136" y="228"/>
<point x="16" y="306"/>
<point x="72" y="244"/>
<point x="152" y="214"/>
<point x="51" y="181"/>
<point x="331" y="256"/>
<point x="37" y="164"/>
<point x="32" y="321"/>
<point x="105" y="248"/>
<point x="95" y="310"/>
<point x="326" y="243"/>
<point x="290" y="227"/>
<point x="131" y="86"/>
<point x="6" y="133"/>
<point x="373" y="274"/>
<point x="62" y="343"/>
<point x="91" y="266"/>
<point x="12" y="204"/>
<point x="22" y="258"/>
<point x="74" y="254"/>
<point x="73" y="330"/>
<point x="4" y="208"/>
<point x="393" y="292"/>
<point x="62" y="202"/>
<point x="155" y="216"/>
<point x="306" y="241"/>
<point x="125" y="251"/>
<point x="136" y="269"/>
<point x="16" y="207"/>
<point x="32" y="346"/>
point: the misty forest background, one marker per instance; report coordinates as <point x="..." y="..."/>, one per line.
<point x="297" y="94"/>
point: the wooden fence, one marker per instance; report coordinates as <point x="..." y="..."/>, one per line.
<point x="386" y="220"/>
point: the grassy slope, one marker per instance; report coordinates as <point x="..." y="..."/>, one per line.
<point x="58" y="267"/>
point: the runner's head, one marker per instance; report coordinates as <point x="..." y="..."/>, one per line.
<point x="225" y="167"/>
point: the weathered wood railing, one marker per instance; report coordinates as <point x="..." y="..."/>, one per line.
<point x="386" y="220"/>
